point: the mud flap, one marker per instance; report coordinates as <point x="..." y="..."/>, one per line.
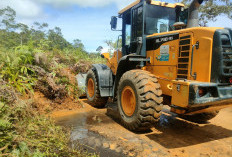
<point x="105" y="79"/>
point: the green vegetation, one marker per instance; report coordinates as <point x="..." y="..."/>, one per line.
<point x="35" y="59"/>
<point x="24" y="133"/>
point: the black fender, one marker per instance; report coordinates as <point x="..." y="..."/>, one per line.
<point x="127" y="63"/>
<point x="105" y="79"/>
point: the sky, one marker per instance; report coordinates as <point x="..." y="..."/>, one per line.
<point x="87" y="20"/>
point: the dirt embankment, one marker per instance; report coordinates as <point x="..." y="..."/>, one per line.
<point x="56" y="90"/>
<point x="49" y="97"/>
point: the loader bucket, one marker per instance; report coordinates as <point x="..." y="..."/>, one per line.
<point x="81" y="79"/>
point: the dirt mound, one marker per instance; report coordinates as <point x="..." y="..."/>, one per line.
<point x="47" y="85"/>
<point x="47" y="106"/>
<point x="55" y="93"/>
<point x="56" y="88"/>
<point x="81" y="67"/>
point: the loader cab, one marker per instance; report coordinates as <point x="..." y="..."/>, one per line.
<point x="143" y="18"/>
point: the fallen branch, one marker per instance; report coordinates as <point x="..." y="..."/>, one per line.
<point x="3" y="148"/>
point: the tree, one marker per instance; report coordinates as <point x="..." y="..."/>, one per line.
<point x="38" y="33"/>
<point x="77" y="44"/>
<point x="56" y="39"/>
<point x="25" y="33"/>
<point x="38" y="36"/>
<point x="8" y="16"/>
<point x="211" y="9"/>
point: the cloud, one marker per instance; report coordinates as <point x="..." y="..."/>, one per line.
<point x="24" y="8"/>
<point x="27" y="9"/>
<point x="85" y="3"/>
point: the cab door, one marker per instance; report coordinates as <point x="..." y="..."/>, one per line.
<point x="137" y="30"/>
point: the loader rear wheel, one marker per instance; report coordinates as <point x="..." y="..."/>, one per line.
<point x="139" y="100"/>
<point x="92" y="90"/>
<point x="201" y="117"/>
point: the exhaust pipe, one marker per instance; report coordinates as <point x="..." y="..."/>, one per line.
<point x="193" y="20"/>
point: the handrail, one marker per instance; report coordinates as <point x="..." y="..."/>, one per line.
<point x="191" y="68"/>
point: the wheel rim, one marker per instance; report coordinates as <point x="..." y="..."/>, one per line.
<point x="128" y="101"/>
<point x="91" y="87"/>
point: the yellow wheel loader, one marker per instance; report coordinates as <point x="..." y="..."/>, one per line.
<point x="166" y="58"/>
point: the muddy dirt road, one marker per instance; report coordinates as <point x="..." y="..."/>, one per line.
<point x="97" y="132"/>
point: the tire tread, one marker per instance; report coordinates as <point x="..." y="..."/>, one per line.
<point x="150" y="101"/>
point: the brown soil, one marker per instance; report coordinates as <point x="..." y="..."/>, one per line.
<point x="173" y="136"/>
<point x="69" y="74"/>
<point x="47" y="106"/>
<point x="63" y="103"/>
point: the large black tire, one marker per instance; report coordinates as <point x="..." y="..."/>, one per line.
<point x="148" y="96"/>
<point x="94" y="99"/>
<point x="201" y="117"/>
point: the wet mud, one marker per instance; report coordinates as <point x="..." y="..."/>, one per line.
<point x="85" y="139"/>
<point x="99" y="131"/>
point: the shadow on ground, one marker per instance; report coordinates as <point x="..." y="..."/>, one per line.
<point x="173" y="132"/>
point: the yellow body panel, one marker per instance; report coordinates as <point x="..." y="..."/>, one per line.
<point x="153" y="2"/>
<point x="113" y="62"/>
<point x="129" y="6"/>
<point x="173" y="48"/>
<point x="167" y="71"/>
<point x="164" y="74"/>
<point x="202" y="57"/>
<point x="106" y="55"/>
<point x="180" y="93"/>
<point x="164" y="4"/>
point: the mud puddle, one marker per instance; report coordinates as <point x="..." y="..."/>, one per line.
<point x="87" y="140"/>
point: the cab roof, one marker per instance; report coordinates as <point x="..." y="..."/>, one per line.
<point x="153" y="2"/>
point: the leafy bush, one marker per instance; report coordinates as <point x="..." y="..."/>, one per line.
<point x="15" y="71"/>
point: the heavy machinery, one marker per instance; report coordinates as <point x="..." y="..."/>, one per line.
<point x="166" y="58"/>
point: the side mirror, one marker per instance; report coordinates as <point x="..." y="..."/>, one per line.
<point x="113" y="23"/>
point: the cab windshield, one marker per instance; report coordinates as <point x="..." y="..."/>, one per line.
<point x="159" y="19"/>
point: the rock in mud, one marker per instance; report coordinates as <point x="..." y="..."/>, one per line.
<point x="113" y="146"/>
<point x="131" y="154"/>
<point x="106" y="145"/>
<point x="91" y="141"/>
<point x="98" y="143"/>
<point x="118" y="150"/>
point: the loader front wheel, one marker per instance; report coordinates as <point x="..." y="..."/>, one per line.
<point x="139" y="100"/>
<point x="92" y="90"/>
